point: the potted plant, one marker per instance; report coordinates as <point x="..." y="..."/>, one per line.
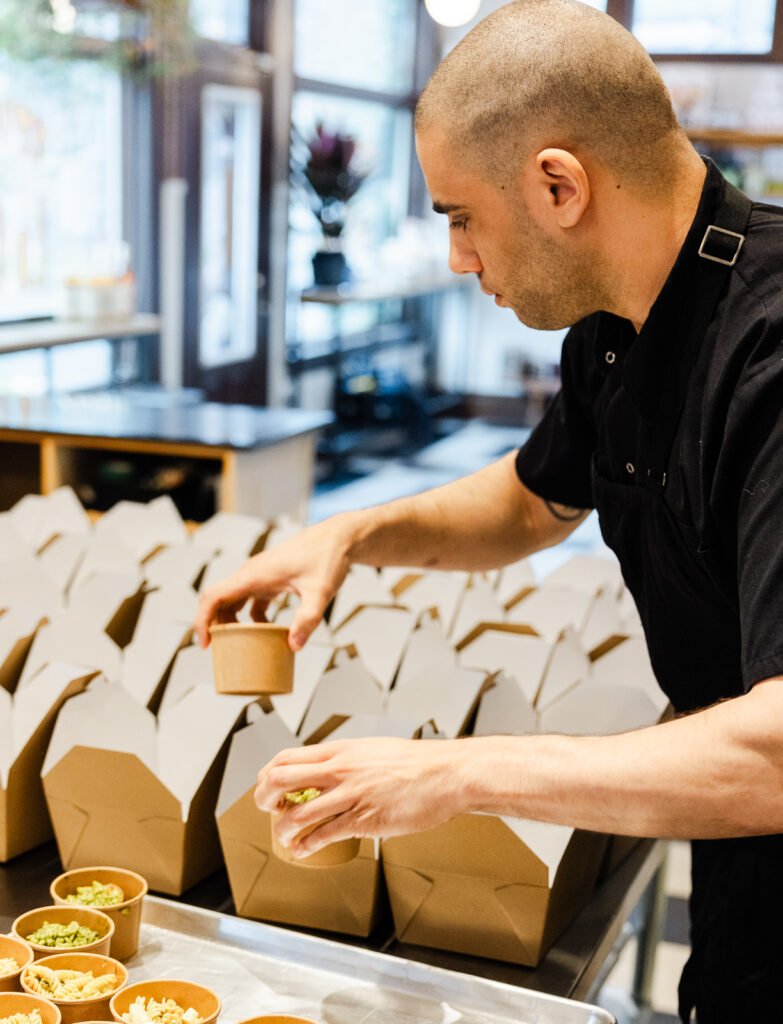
<point x="329" y="177"/>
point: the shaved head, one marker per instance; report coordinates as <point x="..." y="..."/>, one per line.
<point x="539" y="73"/>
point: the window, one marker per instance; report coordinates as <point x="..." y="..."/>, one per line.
<point x="705" y="26"/>
<point x="376" y="54"/>
<point x="223" y="20"/>
<point x="60" y="178"/>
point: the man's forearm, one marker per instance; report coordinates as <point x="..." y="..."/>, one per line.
<point x="480" y="522"/>
<point x="717" y="773"/>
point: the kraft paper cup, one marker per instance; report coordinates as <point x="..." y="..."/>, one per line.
<point x="75" y="1011"/>
<point x="126" y="915"/>
<point x="252" y="658"/>
<point x="185" y="993"/>
<point x="12" y="1003"/>
<point x="15" y="949"/>
<point x="90" y="918"/>
<point x="331" y="856"/>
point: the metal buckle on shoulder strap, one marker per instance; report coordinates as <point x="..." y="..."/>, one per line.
<point x="721" y="247"/>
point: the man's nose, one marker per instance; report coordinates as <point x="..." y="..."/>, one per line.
<point x="463" y="258"/>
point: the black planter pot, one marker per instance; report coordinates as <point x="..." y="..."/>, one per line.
<point x="330" y="268"/>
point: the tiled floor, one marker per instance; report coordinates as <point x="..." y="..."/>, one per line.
<point x="469" y="449"/>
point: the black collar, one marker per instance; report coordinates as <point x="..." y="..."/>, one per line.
<point x="647" y="361"/>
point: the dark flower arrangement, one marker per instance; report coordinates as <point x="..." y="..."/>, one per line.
<point x="327" y="173"/>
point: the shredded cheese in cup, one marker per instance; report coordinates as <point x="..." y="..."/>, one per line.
<point x="8" y="966"/>
<point x="152" y="1011"/>
<point x="302" y="796"/>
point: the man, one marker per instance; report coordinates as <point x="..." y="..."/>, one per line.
<point x="549" y="140"/>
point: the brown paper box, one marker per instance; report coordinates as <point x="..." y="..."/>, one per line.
<point x="475" y="886"/>
<point x="348" y="898"/>
<point x="150" y="806"/>
<point x="18" y="627"/>
<point x="26" y="726"/>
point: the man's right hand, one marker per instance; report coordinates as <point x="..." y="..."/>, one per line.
<point x="312" y="564"/>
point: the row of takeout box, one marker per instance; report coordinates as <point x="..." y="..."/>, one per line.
<point x="105" y="698"/>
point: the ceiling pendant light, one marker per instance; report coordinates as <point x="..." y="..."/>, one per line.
<point x="452" y="12"/>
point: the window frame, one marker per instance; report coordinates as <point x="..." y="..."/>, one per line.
<point x="622" y="11"/>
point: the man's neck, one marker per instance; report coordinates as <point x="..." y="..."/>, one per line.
<point x="647" y="239"/>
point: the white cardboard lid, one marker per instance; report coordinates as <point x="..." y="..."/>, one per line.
<point x="144" y="526"/>
<point x="101" y="595"/>
<point x="550" y="610"/>
<point x="359" y="727"/>
<point x="524" y="657"/>
<point x="309" y="666"/>
<point x="628" y="664"/>
<point x="107" y="551"/>
<point x="221" y="566"/>
<point x="148" y="656"/>
<point x="39" y="517"/>
<point x="548" y="842"/>
<point x="513" y="579"/>
<point x="251" y="748"/>
<point x="362" y="586"/>
<point x="505" y="710"/>
<point x="62" y="557"/>
<point x="596" y="709"/>
<point x="380" y="635"/>
<point x="76" y="640"/>
<point x="170" y="603"/>
<point x="12" y="544"/>
<point x="17" y="624"/>
<point x="192" y="667"/>
<point x="444" y="698"/>
<point x="567" y="667"/>
<point x="177" y="564"/>
<point x="428" y="649"/>
<point x="479" y="604"/>
<point x="31" y="704"/>
<point x="588" y="573"/>
<point x="442" y="591"/>
<point x="6" y="736"/>
<point x="230" y="531"/>
<point x="348" y="689"/>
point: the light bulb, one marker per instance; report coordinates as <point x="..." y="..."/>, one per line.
<point x="452" y="12"/>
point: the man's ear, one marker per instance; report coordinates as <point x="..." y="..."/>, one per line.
<point x="559" y="188"/>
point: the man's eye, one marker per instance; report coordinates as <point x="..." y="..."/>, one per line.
<point x="455" y="224"/>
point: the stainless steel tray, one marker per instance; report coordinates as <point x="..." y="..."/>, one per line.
<point x="257" y="969"/>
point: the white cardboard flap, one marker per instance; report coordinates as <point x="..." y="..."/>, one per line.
<point x="171" y="603"/>
<point x="359" y="727"/>
<point x="178" y="565"/>
<point x="39" y="517"/>
<point x="105" y="716"/>
<point x="12" y="543"/>
<point x="548" y="842"/>
<point x="230" y="531"/>
<point x="283" y="615"/>
<point x="101" y="595"/>
<point x="551" y="610"/>
<point x="190" y="736"/>
<point x="363" y="585"/>
<point x="393" y="575"/>
<point x="62" y="557"/>
<point x="380" y="635"/>
<point x="603" y="621"/>
<point x="513" y="581"/>
<point x="25" y="581"/>
<point x="439" y="590"/>
<point x="628" y="664"/>
<point x="429" y="649"/>
<point x="31" y="705"/>
<point x="348" y="689"/>
<point x="596" y="709"/>
<point x="588" y="573"/>
<point x="15" y="625"/>
<point x="144" y="527"/>
<point x="309" y="666"/>
<point x="505" y="710"/>
<point x="524" y="657"/>
<point x="192" y="667"/>
<point x="76" y="640"/>
<point x="447" y="699"/>
<point x="148" y="656"/>
<point x="107" y="552"/>
<point x="479" y="604"/>
<point x="220" y="567"/>
<point x="252" y="748"/>
<point x="567" y="667"/>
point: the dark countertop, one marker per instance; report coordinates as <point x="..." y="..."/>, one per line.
<point x="140" y="417"/>
<point x="570" y="969"/>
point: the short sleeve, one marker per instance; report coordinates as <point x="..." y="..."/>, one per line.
<point x="750" y="481"/>
<point x="555" y="461"/>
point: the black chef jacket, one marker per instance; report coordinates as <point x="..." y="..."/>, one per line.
<point x="689" y="493"/>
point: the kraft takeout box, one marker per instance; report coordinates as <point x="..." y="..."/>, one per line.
<point x="593" y="617"/>
<point x="379" y="636"/>
<point x="106" y="551"/>
<point x="514" y="582"/>
<point x="362" y="586"/>
<point x="479" y="604"/>
<point x="40" y="517"/>
<point x="587" y="573"/>
<point x="24" y="582"/>
<point x="349" y="899"/>
<point x="18" y="627"/>
<point x="231" y="532"/>
<point x="62" y="557"/>
<point x="310" y="664"/>
<point x="75" y="639"/>
<point x="220" y="567"/>
<point x="124" y="788"/>
<point x="441" y="592"/>
<point x="179" y="565"/>
<point x="492" y="887"/>
<point x="149" y="657"/>
<point x="345" y="689"/>
<point x="11" y="542"/>
<point x="144" y="527"/>
<point x="26" y="725"/>
<point x="112" y="601"/>
<point x="505" y="709"/>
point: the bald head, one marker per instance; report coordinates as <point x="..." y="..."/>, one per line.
<point x="539" y="73"/>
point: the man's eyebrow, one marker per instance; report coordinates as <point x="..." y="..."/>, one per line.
<point x="447" y="207"/>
